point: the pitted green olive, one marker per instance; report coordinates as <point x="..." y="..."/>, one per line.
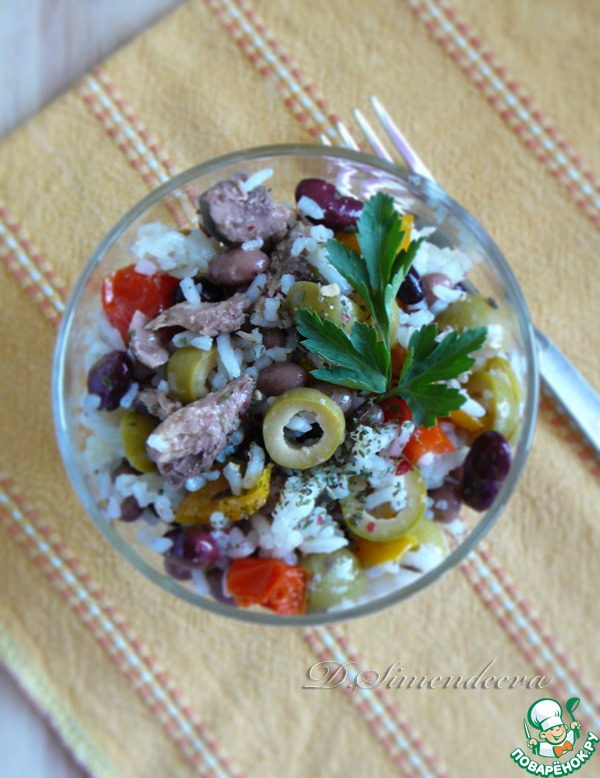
<point x="497" y="389"/>
<point x="382" y="524"/>
<point x="135" y="430"/>
<point x="475" y="310"/>
<point x="187" y="371"/>
<point x="316" y="408"/>
<point x="338" y="308"/>
<point x="334" y="577"/>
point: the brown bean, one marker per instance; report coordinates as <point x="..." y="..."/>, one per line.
<point x="446" y="502"/>
<point x="130" y="509"/>
<point x="339" y="394"/>
<point x="273" y="338"/>
<point x="237" y="267"/>
<point x="279" y="377"/>
<point x="434" y="279"/>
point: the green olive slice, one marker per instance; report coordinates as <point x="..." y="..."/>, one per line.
<point x="497" y="389"/>
<point x="136" y="428"/>
<point x="333" y="578"/>
<point x="321" y="409"/>
<point x="383" y="524"/>
<point x="338" y="308"/>
<point x="187" y="371"/>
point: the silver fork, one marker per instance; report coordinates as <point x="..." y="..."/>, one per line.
<point x="560" y="378"/>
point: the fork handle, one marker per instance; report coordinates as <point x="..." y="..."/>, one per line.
<point x="566" y="384"/>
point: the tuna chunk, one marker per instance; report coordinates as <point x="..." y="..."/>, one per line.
<point x="146" y="346"/>
<point x="282" y="261"/>
<point x="210" y="319"/>
<point x="156" y="403"/>
<point x="188" y="441"/>
<point x="234" y="216"/>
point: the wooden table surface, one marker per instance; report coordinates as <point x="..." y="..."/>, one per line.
<point x="46" y="45"/>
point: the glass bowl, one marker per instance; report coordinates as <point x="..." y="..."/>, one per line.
<point x="174" y="204"/>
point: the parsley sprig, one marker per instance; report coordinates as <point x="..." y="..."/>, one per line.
<point x="378" y="274"/>
<point x="361" y="359"/>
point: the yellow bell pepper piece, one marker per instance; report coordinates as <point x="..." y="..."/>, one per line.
<point x="197" y="507"/>
<point x="370" y="554"/>
<point x="350" y="240"/>
<point x="466" y="422"/>
<point x="250" y="500"/>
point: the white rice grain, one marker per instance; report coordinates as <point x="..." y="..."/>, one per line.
<point x="256" y="179"/>
<point x="256" y="287"/>
<point x="189" y="290"/>
<point x="308" y="207"/>
<point x="195" y="484"/>
<point x="203" y="342"/>
<point x="91" y="402"/>
<point x="158" y="443"/>
<point x="252" y="245"/>
<point x="228" y="356"/>
<point x="129" y="396"/>
<point x="108" y="333"/>
<point x="321" y="233"/>
<point x="255" y="466"/>
<point x="145" y="267"/>
<point x="200" y="582"/>
<point x="287" y="281"/>
<point x="232" y="473"/>
<point x="271" y="308"/>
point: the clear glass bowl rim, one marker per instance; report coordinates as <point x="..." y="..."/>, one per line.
<point x="429" y="189"/>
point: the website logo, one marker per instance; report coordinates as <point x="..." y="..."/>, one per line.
<point x="549" y="736"/>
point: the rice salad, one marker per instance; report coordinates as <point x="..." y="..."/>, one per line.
<point x="292" y="403"/>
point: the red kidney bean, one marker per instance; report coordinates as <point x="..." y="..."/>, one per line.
<point x="236" y="267"/>
<point x="110" y="378"/>
<point x="273" y="338"/>
<point x="434" y="279"/>
<point x="193" y="547"/>
<point x="339" y="394"/>
<point x="339" y="211"/>
<point x="411" y="289"/>
<point x="485" y="468"/>
<point x="279" y="377"/>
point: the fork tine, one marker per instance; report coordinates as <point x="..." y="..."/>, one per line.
<point x="325" y="139"/>
<point x="371" y="136"/>
<point x="408" y="153"/>
<point x="346" y="137"/>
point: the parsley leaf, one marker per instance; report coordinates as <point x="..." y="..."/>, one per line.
<point x="360" y="360"/>
<point x="429" y="362"/>
<point x="377" y="275"/>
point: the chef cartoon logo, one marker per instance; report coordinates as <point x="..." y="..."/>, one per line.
<point x="554" y="737"/>
<point x="551" y="736"/>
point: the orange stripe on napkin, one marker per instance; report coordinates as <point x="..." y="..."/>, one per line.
<point x="514" y="105"/>
<point x="31" y="268"/>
